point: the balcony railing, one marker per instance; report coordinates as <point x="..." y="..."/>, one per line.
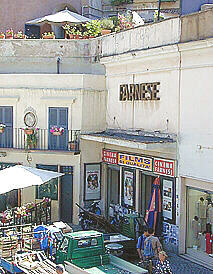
<point x="42" y="139"/>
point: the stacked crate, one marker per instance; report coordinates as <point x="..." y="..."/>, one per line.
<point x="8" y="247"/>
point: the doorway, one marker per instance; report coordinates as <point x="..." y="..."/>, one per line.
<point x="113" y="185"/>
<point x="145" y="192"/>
<point x="66" y="204"/>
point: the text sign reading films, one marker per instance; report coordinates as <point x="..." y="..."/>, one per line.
<point x="135" y="161"/>
<point x="109" y="157"/>
<point x="164" y="167"/>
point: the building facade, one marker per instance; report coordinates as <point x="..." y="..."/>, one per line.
<point x="156" y="115"/>
<point x="41" y="100"/>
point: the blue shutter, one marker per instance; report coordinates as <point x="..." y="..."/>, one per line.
<point x="6" y="117"/>
<point x="58" y="117"/>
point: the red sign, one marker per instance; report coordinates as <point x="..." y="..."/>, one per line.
<point x="109" y="157"/>
<point x="164" y="167"/>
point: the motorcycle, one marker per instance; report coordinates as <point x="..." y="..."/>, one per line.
<point x="85" y="222"/>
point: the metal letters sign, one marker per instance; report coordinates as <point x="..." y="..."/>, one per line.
<point x="135" y="161"/>
<point x="109" y="157"/>
<point x="164" y="167"/>
<point x="139" y="92"/>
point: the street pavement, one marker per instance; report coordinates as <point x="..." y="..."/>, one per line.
<point x="180" y="265"/>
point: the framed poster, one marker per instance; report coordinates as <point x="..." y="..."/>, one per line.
<point x="168" y="194"/>
<point x="92" y="182"/>
<point x="128" y="188"/>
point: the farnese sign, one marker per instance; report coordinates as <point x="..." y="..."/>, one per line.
<point x="139" y="92"/>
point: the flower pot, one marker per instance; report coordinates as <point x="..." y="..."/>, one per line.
<point x="72" y="145"/>
<point x="77" y="37"/>
<point x="2" y="36"/>
<point x="57" y="133"/>
<point x="2" y="130"/>
<point x="105" y="31"/>
<point x="9" y="36"/>
<point x="71" y="36"/>
<point x="28" y="131"/>
<point x="48" y="37"/>
<point x="92" y="37"/>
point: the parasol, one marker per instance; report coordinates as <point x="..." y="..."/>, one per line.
<point x="153" y="214"/>
<point x="18" y="177"/>
<point x="59" y="18"/>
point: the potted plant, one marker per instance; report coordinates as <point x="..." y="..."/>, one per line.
<point x="2" y="36"/>
<point x="9" y="34"/>
<point x="78" y="34"/>
<point x="28" y="131"/>
<point x="31" y="137"/>
<point x="85" y="35"/>
<point x="93" y="28"/>
<point x="19" y="35"/>
<point x="2" y="127"/>
<point x="48" y="35"/>
<point x="57" y="131"/>
<point x="107" y="25"/>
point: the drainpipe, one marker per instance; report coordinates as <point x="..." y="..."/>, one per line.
<point x="58" y="65"/>
<point x="159" y="3"/>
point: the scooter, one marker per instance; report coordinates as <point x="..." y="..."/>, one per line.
<point x="85" y="222"/>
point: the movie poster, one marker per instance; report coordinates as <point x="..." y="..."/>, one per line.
<point x="128" y="188"/>
<point x="92" y="186"/>
<point x="167" y="199"/>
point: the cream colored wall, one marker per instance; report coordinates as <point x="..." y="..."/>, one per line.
<point x="196" y="129"/>
<point x="41" y="55"/>
<point x="154" y="65"/>
<point x="143" y="37"/>
<point x="91" y="153"/>
<point x="43" y="91"/>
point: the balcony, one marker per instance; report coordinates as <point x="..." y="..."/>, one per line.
<point x="17" y="138"/>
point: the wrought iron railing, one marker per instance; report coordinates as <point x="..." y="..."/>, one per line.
<point x="41" y="139"/>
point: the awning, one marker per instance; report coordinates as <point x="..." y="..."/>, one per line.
<point x="18" y="177"/>
<point x="62" y="17"/>
<point x="134" y="139"/>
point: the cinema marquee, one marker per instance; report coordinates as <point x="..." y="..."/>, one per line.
<point x="139" y="92"/>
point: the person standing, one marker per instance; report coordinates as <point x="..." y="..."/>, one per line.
<point x="140" y="244"/>
<point x="162" y="266"/>
<point x="152" y="245"/>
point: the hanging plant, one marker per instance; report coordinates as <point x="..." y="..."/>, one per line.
<point x="31" y="137"/>
<point x="2" y="127"/>
<point x="55" y="130"/>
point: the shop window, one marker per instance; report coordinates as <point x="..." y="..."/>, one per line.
<point x="199" y="221"/>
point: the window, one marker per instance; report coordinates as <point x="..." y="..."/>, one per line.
<point x="87" y="242"/>
<point x="58" y="117"/>
<point x="6" y="118"/>
<point x="64" y="245"/>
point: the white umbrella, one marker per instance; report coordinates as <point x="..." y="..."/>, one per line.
<point x="64" y="16"/>
<point x="19" y="176"/>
